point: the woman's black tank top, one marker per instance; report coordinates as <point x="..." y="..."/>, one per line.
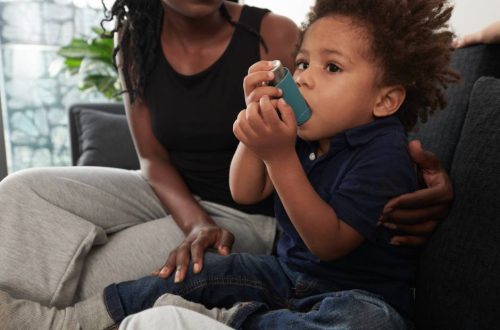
<point x="192" y="116"/>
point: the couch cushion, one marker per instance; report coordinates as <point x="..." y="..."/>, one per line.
<point x="459" y="280"/>
<point x="104" y="139"/>
<point x="440" y="134"/>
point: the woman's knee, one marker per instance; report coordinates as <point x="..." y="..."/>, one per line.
<point x="26" y="178"/>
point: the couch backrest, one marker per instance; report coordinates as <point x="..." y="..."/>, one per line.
<point x="440" y="134"/>
<point x="458" y="284"/>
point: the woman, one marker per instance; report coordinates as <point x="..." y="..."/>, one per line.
<point x="65" y="233"/>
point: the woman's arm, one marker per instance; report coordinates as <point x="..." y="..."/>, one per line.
<point x="281" y="36"/>
<point x="488" y="35"/>
<point x="201" y="231"/>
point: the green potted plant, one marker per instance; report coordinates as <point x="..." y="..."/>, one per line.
<point x="91" y="59"/>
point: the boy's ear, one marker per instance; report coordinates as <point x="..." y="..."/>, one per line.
<point x="389" y="101"/>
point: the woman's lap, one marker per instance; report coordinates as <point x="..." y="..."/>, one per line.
<point x="72" y="231"/>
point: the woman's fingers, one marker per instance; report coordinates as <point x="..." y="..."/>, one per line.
<point x="177" y="261"/>
<point x="411" y="216"/>
<point x="169" y="265"/>
<point x="467" y="40"/>
<point x="198" y="247"/>
<point x="225" y="242"/>
<point x="182" y="262"/>
<point x="423" y="228"/>
<point x="408" y="240"/>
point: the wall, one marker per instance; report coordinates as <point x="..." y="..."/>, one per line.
<point x="472" y="15"/>
<point x="468" y="16"/>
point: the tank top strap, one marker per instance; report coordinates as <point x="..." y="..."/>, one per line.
<point x="252" y="17"/>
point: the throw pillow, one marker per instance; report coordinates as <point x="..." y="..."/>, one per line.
<point x="105" y="140"/>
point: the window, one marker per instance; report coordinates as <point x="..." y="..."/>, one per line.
<point x="33" y="100"/>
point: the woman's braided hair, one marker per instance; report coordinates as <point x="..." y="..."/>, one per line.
<point x="411" y="42"/>
<point x="139" y="24"/>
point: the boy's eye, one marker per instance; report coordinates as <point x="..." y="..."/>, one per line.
<point x="301" y="65"/>
<point x="333" y="68"/>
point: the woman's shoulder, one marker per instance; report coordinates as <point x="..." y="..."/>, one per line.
<point x="281" y="36"/>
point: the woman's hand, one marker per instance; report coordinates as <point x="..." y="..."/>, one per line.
<point x="488" y="35"/>
<point x="194" y="246"/>
<point x="419" y="213"/>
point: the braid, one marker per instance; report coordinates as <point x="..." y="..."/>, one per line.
<point x="225" y="13"/>
<point x="139" y="25"/>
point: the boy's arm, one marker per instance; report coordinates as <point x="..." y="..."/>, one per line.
<point x="324" y="234"/>
<point x="270" y="136"/>
<point x="248" y="179"/>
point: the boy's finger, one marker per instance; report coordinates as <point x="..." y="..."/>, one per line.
<point x="254" y="118"/>
<point x="268" y="111"/>
<point x="261" y="66"/>
<point x="256" y="79"/>
<point x="259" y="92"/>
<point x="286" y="112"/>
<point x="244" y="123"/>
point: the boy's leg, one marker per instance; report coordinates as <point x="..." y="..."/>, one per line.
<point x="147" y="246"/>
<point x="353" y="309"/>
<point x="223" y="282"/>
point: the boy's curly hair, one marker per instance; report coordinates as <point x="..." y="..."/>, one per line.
<point x="411" y="42"/>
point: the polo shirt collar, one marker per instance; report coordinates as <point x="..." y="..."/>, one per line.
<point x="363" y="134"/>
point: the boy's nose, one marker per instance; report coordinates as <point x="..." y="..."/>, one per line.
<point x="303" y="80"/>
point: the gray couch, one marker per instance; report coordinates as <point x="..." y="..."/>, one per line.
<point x="458" y="284"/>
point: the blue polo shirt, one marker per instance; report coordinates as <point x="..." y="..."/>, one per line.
<point x="364" y="168"/>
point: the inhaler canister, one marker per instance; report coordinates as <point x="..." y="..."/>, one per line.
<point x="283" y="79"/>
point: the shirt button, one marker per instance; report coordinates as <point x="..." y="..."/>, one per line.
<point x="312" y="156"/>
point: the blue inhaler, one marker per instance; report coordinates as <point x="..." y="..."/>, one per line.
<point x="283" y="79"/>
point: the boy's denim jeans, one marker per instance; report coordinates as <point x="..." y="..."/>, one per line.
<point x="273" y="296"/>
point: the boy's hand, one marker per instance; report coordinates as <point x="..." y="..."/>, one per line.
<point x="269" y="134"/>
<point x="255" y="83"/>
<point x="419" y="213"/>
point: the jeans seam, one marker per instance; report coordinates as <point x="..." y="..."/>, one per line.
<point x="194" y="285"/>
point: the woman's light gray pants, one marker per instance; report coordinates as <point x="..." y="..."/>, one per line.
<point x="66" y="233"/>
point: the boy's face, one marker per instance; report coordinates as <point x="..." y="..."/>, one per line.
<point x="335" y="77"/>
